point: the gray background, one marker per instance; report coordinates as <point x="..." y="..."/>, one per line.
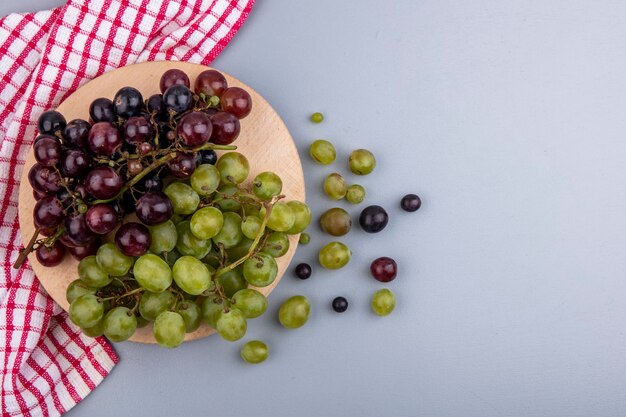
<point x="509" y="119"/>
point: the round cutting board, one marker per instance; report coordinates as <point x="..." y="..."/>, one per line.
<point x="264" y="140"/>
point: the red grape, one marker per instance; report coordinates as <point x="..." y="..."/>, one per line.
<point x="104" y="139"/>
<point x="51" y="121"/>
<point x="48" y="212"/>
<point x="38" y="195"/>
<point x="137" y="130"/>
<point x="50" y="256"/>
<point x="173" y="77"/>
<point x="194" y="128"/>
<point x="44" y="179"/>
<point x="210" y="83"/>
<point x="76" y="133"/>
<point x="77" y="231"/>
<point x="133" y="239"/>
<point x="47" y="150"/>
<point x="154" y="208"/>
<point x="384" y="269"/>
<point x="128" y="102"/>
<point x="80" y="252"/>
<point x="101" y="110"/>
<point x="183" y="165"/>
<point x="236" y="101"/>
<point x="226" y="128"/>
<point x="75" y="163"/>
<point x="103" y="182"/>
<point x="101" y="218"/>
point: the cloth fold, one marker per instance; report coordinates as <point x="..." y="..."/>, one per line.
<point x="48" y="365"/>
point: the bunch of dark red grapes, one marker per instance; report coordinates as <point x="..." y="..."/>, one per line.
<point x="90" y="174"/>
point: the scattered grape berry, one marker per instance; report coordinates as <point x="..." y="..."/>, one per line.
<point x="303" y="271"/>
<point x="373" y="219"/>
<point x="340" y="304"/>
<point x="384" y="269"/>
<point x="410" y="202"/>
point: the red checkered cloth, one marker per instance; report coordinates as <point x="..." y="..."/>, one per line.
<point x="47" y="364"/>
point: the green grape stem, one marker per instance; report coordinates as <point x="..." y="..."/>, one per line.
<point x="129" y="293"/>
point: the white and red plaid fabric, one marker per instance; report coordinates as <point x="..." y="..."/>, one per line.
<point x="47" y="364"/>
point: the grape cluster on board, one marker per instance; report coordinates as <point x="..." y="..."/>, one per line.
<point x="164" y="230"/>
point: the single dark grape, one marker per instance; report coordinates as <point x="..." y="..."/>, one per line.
<point x="104" y="139"/>
<point x="50" y="256"/>
<point x="47" y="150"/>
<point x="144" y="148"/>
<point x="65" y="197"/>
<point x="134" y="167"/>
<point x="128" y="203"/>
<point x="226" y="128"/>
<point x="101" y="218"/>
<point x="48" y="212"/>
<point x="173" y="77"/>
<point x="183" y="165"/>
<point x="177" y="98"/>
<point x="154" y="208"/>
<point x="128" y="102"/>
<point x="384" y="269"/>
<point x="208" y="156"/>
<point x="303" y="271"/>
<point x="80" y="252"/>
<point x="76" y="133"/>
<point x="194" y="128"/>
<point x="163" y="132"/>
<point x="410" y="202"/>
<point x="77" y="231"/>
<point x="103" y="182"/>
<point x="151" y="182"/>
<point x="38" y="195"/>
<point x="101" y="110"/>
<point x="136" y="130"/>
<point x="373" y="219"/>
<point x="51" y="121"/>
<point x="340" y="304"/>
<point x="237" y="101"/>
<point x="133" y="239"/>
<point x="155" y="107"/>
<point x="44" y="179"/>
<point x="75" y="163"/>
<point x="210" y="83"/>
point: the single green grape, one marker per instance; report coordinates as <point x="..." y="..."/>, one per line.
<point x="233" y="167"/>
<point x="95" y="331"/>
<point x="281" y="217"/>
<point x="205" y="179"/>
<point x="254" y="352"/>
<point x="211" y="311"/>
<point x="302" y="214"/>
<point x="232" y="281"/>
<point x="336" y="221"/>
<point x="323" y="152"/>
<point x="334" y="255"/>
<point x="113" y="261"/>
<point x="190" y="312"/>
<point x="169" y="329"/>
<point x="294" y="312"/>
<point x="231" y="325"/>
<point x="239" y="251"/>
<point x="206" y="222"/>
<point x="361" y="162"/>
<point x="305" y="238"/>
<point x="119" y="324"/>
<point x="251" y="227"/>
<point x="141" y="322"/>
<point x="91" y="273"/>
<point x="317" y="117"/>
<point x="260" y="270"/>
<point x="76" y="289"/>
<point x="184" y="198"/>
<point x="230" y="234"/>
<point x="225" y="198"/>
<point x="172" y="257"/>
<point x="152" y="273"/>
<point x="355" y="194"/>
<point x="164" y="237"/>
<point x="267" y="185"/>
<point x="191" y="275"/>
<point x="86" y="311"/>
<point x="251" y="302"/>
<point x="383" y="302"/>
<point x="153" y="304"/>
<point x="277" y="244"/>
<point x="335" y="186"/>
<point x="177" y="218"/>
<point x="189" y="244"/>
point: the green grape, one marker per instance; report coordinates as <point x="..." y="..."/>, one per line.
<point x="141" y="322"/>
<point x="334" y="255"/>
<point x="169" y="329"/>
<point x="190" y="312"/>
<point x="91" y="273"/>
<point x="164" y="237"/>
<point x="206" y="222"/>
<point x="383" y="302"/>
<point x="205" y="179"/>
<point x="113" y="261"/>
<point x="152" y="304"/>
<point x="251" y="227"/>
<point x="260" y="270"/>
<point x="335" y="186"/>
<point x="177" y="218"/>
<point x="189" y="244"/>
<point x="323" y="152"/>
<point x="225" y="201"/>
<point x="254" y="352"/>
<point x="240" y="250"/>
<point x="119" y="324"/>
<point x="336" y="221"/>
<point x="234" y="168"/>
<point x="152" y="273"/>
<point x="281" y="217"/>
<point x="267" y="185"/>
<point x="86" y="310"/>
<point x="317" y="117"/>
<point x="361" y="162"/>
<point x="251" y="302"/>
<point x="302" y="215"/>
<point x="232" y="281"/>
<point x="294" y="312"/>
<point x="211" y="311"/>
<point x="230" y="234"/>
<point x="184" y="199"/>
<point x="95" y="331"/>
<point x="213" y="258"/>
<point x="231" y="325"/>
<point x="277" y="244"/>
<point x="172" y="257"/>
<point x="76" y="289"/>
<point x="191" y="275"/>
<point x="305" y="238"/>
<point x="355" y="194"/>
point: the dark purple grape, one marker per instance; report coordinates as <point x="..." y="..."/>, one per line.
<point x="65" y="197"/>
<point x="303" y="271"/>
<point x="194" y="129"/>
<point x="177" y="98"/>
<point x="75" y="163"/>
<point x="50" y="122"/>
<point x="76" y="133"/>
<point x="208" y="156"/>
<point x="183" y="165"/>
<point x="104" y="139"/>
<point x="155" y="107"/>
<point x="151" y="182"/>
<point x="67" y="241"/>
<point x="154" y="208"/>
<point x="44" y="179"/>
<point x="103" y="182"/>
<point x="38" y="195"/>
<point x="373" y="219"/>
<point x="133" y="239"/>
<point x="173" y="77"/>
<point x="340" y="304"/>
<point x="144" y="148"/>
<point x="80" y="252"/>
<point x="128" y="203"/>
<point x="384" y="269"/>
<point x="50" y="256"/>
<point x="136" y="130"/>
<point x="101" y="110"/>
<point x="226" y="128"/>
<point x="128" y="102"/>
<point x="236" y="101"/>
<point x="44" y="231"/>
<point x="210" y="83"/>
<point x="101" y="218"/>
<point x="77" y="231"/>
<point x="48" y="212"/>
<point x="47" y="151"/>
<point x="410" y="202"/>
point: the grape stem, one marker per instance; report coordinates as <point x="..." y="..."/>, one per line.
<point x="28" y="249"/>
<point x="135" y="291"/>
